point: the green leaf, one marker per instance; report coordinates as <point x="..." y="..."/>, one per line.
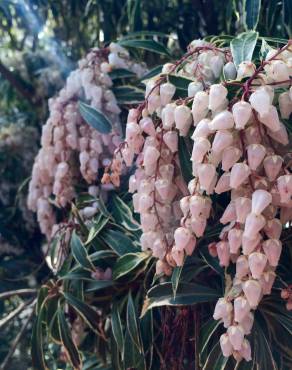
<point x="95" y="118"/>
<point x="121" y="73"/>
<point x="117" y="328"/>
<point x="147" y="336"/>
<point x="127" y="263"/>
<point x="265" y="48"/>
<point x="51" y="319"/>
<point x="216" y="360"/>
<point x="206" y="334"/>
<point x="287" y="16"/>
<point x="132" y="323"/>
<point x="85" y="311"/>
<point x="67" y="341"/>
<point x="184" y="158"/>
<point x="77" y="274"/>
<point x="187" y="294"/>
<point x="96" y="227"/>
<point x="175" y="278"/>
<point x="80" y="253"/>
<point x="150" y="45"/>
<point x="93" y="286"/>
<point x="153" y="72"/>
<point x="252" y="12"/>
<point x="119" y="242"/>
<point x="128" y="94"/>
<point x="181" y="84"/>
<point x="242" y="46"/>
<point x="37" y="354"/>
<point x="123" y="214"/>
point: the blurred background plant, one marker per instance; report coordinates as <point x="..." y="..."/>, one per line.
<point x="40" y="43"/>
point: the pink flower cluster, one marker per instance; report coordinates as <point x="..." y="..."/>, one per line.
<point x="71" y="150"/>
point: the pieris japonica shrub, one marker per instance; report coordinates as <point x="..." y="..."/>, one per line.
<point x="189" y="268"/>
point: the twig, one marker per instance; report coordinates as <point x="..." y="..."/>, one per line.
<point x="14" y="313"/>
<point x="17" y="339"/>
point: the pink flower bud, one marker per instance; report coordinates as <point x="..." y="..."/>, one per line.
<point x="249" y="244"/>
<point x="239" y="174"/>
<point x="198" y="226"/>
<point x="261" y="100"/>
<point x="200" y="148"/>
<point x="257" y="263"/>
<point x="167" y="91"/>
<point x="272" y="165"/>
<point x="206" y="174"/>
<point x="226" y="346"/>
<point x="247" y="323"/>
<point x="284" y="184"/>
<point x="145" y="202"/>
<point x="147" y="126"/>
<point x="223" y="183"/>
<point x="245" y="350"/>
<point x="171" y="140"/>
<point x="217" y="96"/>
<point x="222" y="309"/>
<point x="252" y="135"/>
<point x="190" y="247"/>
<point x="273" y="228"/>
<point x="253" y="291"/>
<point x="229" y="214"/>
<point x="163" y="188"/>
<point x="241" y="308"/>
<point x="200" y="106"/>
<point x="271" y="119"/>
<point x="182" y="117"/>
<point x="229" y="157"/>
<point x="128" y="156"/>
<point x="178" y="256"/>
<point x="281" y="136"/>
<point x="243" y="208"/>
<point x="241" y="113"/>
<point x="267" y="281"/>
<point x="223" y="253"/>
<point x="132" y="131"/>
<point x="197" y="204"/>
<point x="151" y="156"/>
<point x="236" y="336"/>
<point x="272" y="249"/>
<point x="285" y="105"/>
<point x="182" y="236"/>
<point x="242" y="267"/>
<point x="234" y="239"/>
<point x="194" y="87"/>
<point x="222" y="140"/>
<point x="202" y="129"/>
<point x="222" y="121"/>
<point x="253" y="224"/>
<point x="255" y="153"/>
<point x="167" y="116"/>
<point x="260" y="200"/>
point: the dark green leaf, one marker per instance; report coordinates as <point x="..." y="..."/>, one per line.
<point x="287" y="16"/>
<point x="187" y="294"/>
<point x="122" y="214"/>
<point x="103" y="254"/>
<point x="128" y="94"/>
<point x="206" y="333"/>
<point x="119" y="242"/>
<point x="175" y="277"/>
<point x="52" y="320"/>
<point x="121" y="73"/>
<point x="215" y="360"/>
<point x="132" y="323"/>
<point x="117" y="328"/>
<point x="184" y="158"/>
<point x="67" y="341"/>
<point x="242" y="46"/>
<point x="80" y="253"/>
<point x="85" y="311"/>
<point x="252" y="12"/>
<point x="98" y="284"/>
<point x="95" y="118"/>
<point x="77" y="274"/>
<point x="127" y="263"/>
<point x="37" y="354"/>
<point x="96" y="227"/>
<point x="150" y="45"/>
<point x="153" y="72"/>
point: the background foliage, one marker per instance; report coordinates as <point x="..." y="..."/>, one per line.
<point x="40" y="42"/>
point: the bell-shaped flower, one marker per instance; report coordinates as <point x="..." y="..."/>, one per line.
<point x="253" y="291"/>
<point x="223" y="139"/>
<point x="229" y="214"/>
<point x="167" y="91"/>
<point x="223" y="252"/>
<point x="236" y="336"/>
<point x="190" y="247"/>
<point x="202" y="129"/>
<point x="242" y="267"/>
<point x="261" y="100"/>
<point x="222" y="309"/>
<point x="267" y="281"/>
<point x="226" y="346"/>
<point x="182" y="236"/>
<point x="200" y="149"/>
<point x="253" y="224"/>
<point x="234" y="239"/>
<point x="230" y="156"/>
<point x="239" y="174"/>
<point x="271" y="119"/>
<point x="243" y="208"/>
<point x="194" y="87"/>
<point x="241" y="112"/>
<point x="249" y="244"/>
<point x="147" y="126"/>
<point x="177" y="255"/>
<point x="171" y="140"/>
<point x="284" y="184"/>
<point x="247" y="323"/>
<point x="241" y="308"/>
<point x="217" y="96"/>
<point x="198" y="225"/>
<point x="260" y="200"/>
<point x="255" y="154"/>
<point x="223" y="183"/>
<point x="151" y="156"/>
<point x="285" y="105"/>
<point x="200" y="106"/>
<point x="272" y="165"/>
<point x="273" y="228"/>
<point x="257" y="262"/>
<point x="206" y="174"/>
<point x="280" y="136"/>
<point x="222" y="121"/>
<point x="167" y="116"/>
<point x="272" y="249"/>
<point x="245" y="350"/>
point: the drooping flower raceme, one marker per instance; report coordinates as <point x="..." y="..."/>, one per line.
<point x="71" y="150"/>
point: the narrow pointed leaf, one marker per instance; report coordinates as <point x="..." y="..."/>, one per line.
<point x="95" y="118"/>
